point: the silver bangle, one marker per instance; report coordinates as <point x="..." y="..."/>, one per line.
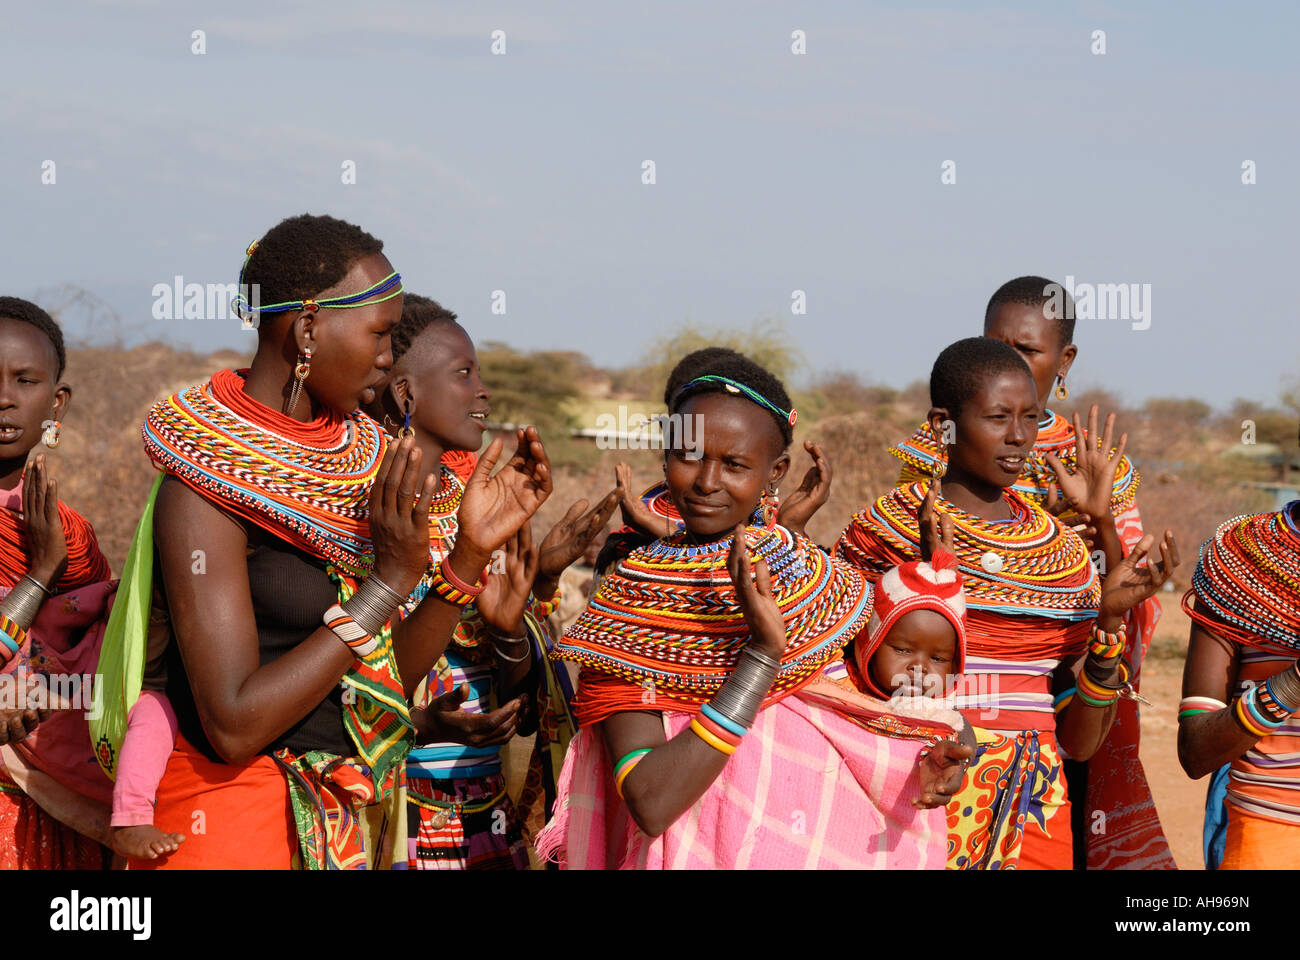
<point x="397" y="597"/>
<point x="24" y="602"/>
<point x="741" y="696"/>
<point x="520" y="659"/>
<point x="1286" y="688"/>
<point x="372" y="605"/>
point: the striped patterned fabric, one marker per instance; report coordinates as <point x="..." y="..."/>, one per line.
<point x="446" y="761"/>
<point x="1007" y="694"/>
<point x="1265" y="780"/>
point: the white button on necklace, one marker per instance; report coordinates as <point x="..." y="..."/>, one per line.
<point x="991" y="562"/>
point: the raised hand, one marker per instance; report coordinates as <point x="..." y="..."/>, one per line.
<point x="47" y="543"/>
<point x="755" y="597"/>
<point x="798" y="508"/>
<point x="443" y="721"/>
<point x="569" y="539"/>
<point x="505" y="597"/>
<point x="399" y="520"/>
<point x="494" y="507"/>
<point x="941" y="771"/>
<point x="938" y="532"/>
<point x="1129" y="583"/>
<point x="1089" y="489"/>
<point x="635" y="513"/>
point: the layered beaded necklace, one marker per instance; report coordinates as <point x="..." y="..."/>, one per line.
<point x="1028" y="565"/>
<point x="1247" y="582"/>
<point x="921" y="452"/>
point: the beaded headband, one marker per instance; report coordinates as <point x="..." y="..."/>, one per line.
<point x="790" y="416"/>
<point x="390" y="285"/>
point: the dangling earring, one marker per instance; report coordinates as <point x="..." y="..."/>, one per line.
<point x="941" y="462"/>
<point x="406" y="430"/>
<point x="768" y="505"/>
<point x="1062" y="391"/>
<point x="300" y="373"/>
<point x="53" y="433"/>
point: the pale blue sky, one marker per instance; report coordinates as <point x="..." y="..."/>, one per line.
<point x="775" y="172"/>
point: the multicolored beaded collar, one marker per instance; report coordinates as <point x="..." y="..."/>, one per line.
<point x="1247" y="582"/>
<point x="665" y="628"/>
<point x="308" y="483"/>
<point x="1028" y="565"/>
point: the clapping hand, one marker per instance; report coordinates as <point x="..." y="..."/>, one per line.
<point x="569" y="539"/>
<point x="755" y="597"/>
<point x="493" y="508"/>
<point x="1089" y="489"/>
<point x="936" y="527"/>
<point x="1129" y="583"/>
<point x="505" y="596"/>
<point x="798" y="508"/>
<point x="47" y="544"/>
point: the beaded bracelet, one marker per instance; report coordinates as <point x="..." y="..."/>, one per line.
<point x="1106" y="646"/>
<point x="544" y="608"/>
<point x="624" y="767"/>
<point x="12" y="636"/>
<point x="1195" y="706"/>
<point x="361" y="643"/>
<point x="451" y="588"/>
<point x="450" y="576"/>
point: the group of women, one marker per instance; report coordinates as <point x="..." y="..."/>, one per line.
<point x="333" y="618"/>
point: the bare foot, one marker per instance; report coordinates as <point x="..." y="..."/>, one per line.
<point x="145" y="842"/>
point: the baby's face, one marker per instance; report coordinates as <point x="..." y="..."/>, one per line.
<point x="921" y="644"/>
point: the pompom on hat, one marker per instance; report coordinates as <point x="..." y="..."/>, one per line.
<point x="916" y="585"/>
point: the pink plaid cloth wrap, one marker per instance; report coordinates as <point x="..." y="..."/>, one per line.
<point x="808" y="788"/>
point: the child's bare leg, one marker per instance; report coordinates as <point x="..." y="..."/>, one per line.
<point x="150" y="737"/>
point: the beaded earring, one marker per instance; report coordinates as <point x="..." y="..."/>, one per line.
<point x="406" y="430"/>
<point x="768" y="505"/>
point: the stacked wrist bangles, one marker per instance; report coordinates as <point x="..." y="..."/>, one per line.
<point x="24" y="601"/>
<point x="1195" y="706"/>
<point x="361" y="618"/>
<point x="1266" y="707"/>
<point x="724" y="721"/>
<point x="452" y="588"/>
<point x="1104" y="652"/>
<point x="624" y="767"/>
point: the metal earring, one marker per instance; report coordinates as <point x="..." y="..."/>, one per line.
<point x="941" y="462"/>
<point x="1062" y="391"/>
<point x="300" y="373"/>
<point x="53" y="431"/>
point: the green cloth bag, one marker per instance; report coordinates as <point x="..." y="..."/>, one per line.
<point x="121" y="658"/>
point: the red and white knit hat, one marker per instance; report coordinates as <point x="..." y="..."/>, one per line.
<point x="916" y="585"/>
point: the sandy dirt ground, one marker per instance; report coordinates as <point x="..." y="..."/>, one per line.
<point x="1180" y="801"/>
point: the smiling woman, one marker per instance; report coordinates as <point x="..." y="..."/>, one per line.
<point x="704" y="703"/>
